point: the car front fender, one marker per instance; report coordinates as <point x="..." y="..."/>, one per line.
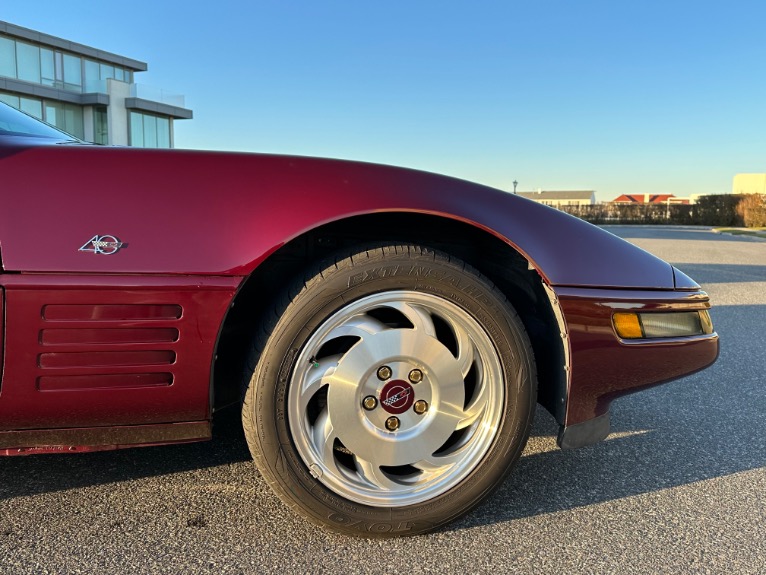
<point x="184" y="212"/>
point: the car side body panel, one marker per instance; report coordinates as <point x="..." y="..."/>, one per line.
<point x="92" y="351"/>
<point x="222" y="214"/>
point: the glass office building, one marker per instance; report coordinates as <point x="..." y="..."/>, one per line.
<point x="85" y="91"/>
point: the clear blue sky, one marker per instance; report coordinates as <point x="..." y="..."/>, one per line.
<point x="617" y="96"/>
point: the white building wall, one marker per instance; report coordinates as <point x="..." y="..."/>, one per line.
<point x="117" y="113"/>
<point x="749" y="184"/>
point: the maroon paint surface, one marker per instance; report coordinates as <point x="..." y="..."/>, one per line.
<point x="213" y="213"/>
<point x="157" y="370"/>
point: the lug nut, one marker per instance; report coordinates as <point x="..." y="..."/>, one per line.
<point x="370" y="403"/>
<point x="420" y="407"/>
<point x="416" y="376"/>
<point x="392" y="423"/>
<point x="384" y="373"/>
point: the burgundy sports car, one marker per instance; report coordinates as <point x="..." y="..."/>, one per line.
<point x="386" y="332"/>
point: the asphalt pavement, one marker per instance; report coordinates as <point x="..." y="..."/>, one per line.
<point x="678" y="487"/>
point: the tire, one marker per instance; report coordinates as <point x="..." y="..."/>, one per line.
<point x="391" y="392"/>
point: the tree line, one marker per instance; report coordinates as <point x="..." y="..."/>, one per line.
<point x="738" y="210"/>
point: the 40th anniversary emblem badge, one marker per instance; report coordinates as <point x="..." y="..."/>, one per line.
<point x="106" y="245"/>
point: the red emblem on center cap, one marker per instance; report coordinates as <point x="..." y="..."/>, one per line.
<point x="397" y="396"/>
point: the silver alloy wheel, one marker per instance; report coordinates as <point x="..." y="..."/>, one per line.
<point x="395" y="398"/>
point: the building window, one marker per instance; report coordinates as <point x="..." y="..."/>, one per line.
<point x="97" y="73"/>
<point x="100" y="125"/>
<point x="92" y="80"/>
<point x="47" y="68"/>
<point x="10" y="99"/>
<point x="106" y="70"/>
<point x="67" y="117"/>
<point x="56" y="69"/>
<point x="31" y="106"/>
<point x="28" y="62"/>
<point x="72" y="73"/>
<point x="147" y="131"/>
<point x="7" y="57"/>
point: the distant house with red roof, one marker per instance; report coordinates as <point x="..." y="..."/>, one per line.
<point x="649" y="199"/>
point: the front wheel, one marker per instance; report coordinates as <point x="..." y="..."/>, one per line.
<point x="394" y="391"/>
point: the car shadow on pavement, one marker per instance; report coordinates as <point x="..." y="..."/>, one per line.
<point x="33" y="474"/>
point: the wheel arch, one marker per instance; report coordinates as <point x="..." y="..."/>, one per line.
<point x="494" y="257"/>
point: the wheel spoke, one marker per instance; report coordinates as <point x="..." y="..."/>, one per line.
<point x="471" y="417"/>
<point x="439" y="463"/>
<point x="465" y="351"/>
<point x="324" y="436"/>
<point x="318" y="376"/>
<point x="418" y="316"/>
<point x="357" y="326"/>
<point x="374" y="476"/>
<point x="476" y="408"/>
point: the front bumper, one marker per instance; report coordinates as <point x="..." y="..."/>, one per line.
<point x="604" y="367"/>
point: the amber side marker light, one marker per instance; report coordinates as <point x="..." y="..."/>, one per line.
<point x="634" y="325"/>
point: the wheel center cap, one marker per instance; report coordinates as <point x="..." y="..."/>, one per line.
<point x="397" y="396"/>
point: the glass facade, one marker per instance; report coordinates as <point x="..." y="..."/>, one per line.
<point x="66" y="117"/>
<point x="73" y="78"/>
<point x="39" y="65"/>
<point x="148" y="131"/>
